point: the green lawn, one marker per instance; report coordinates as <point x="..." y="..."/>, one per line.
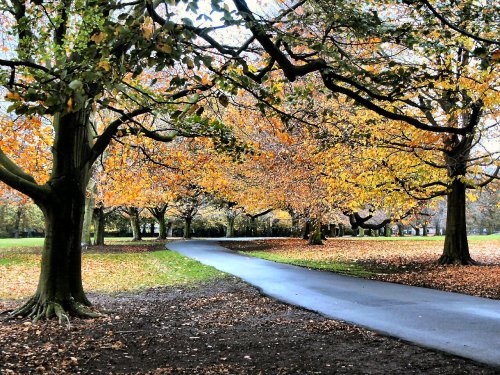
<point x="105" y="272"/>
<point x="350" y="269"/>
<point x="476" y="238"/>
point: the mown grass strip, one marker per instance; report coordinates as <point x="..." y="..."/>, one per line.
<point x="349" y="269"/>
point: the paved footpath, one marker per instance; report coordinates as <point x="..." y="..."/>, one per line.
<point x="458" y="324"/>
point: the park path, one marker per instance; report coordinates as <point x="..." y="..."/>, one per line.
<point x="454" y="323"/>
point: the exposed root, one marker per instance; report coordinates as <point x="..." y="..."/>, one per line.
<point x="449" y="260"/>
<point x="37" y="310"/>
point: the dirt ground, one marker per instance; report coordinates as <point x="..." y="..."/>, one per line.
<point x="220" y="327"/>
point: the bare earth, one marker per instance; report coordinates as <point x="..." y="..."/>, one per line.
<point x="222" y="327"/>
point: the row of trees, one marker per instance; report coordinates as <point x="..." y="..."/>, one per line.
<point x="333" y="106"/>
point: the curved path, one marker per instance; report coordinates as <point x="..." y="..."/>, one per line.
<point x="458" y="324"/>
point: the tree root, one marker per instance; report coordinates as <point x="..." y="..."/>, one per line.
<point x="449" y="260"/>
<point x="37" y="310"/>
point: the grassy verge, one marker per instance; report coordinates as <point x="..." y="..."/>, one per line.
<point x="108" y="272"/>
<point x="344" y="268"/>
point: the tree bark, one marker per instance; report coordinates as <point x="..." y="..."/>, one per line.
<point x="170" y="229"/>
<point x="456" y="247"/>
<point x="187" y="227"/>
<point x="88" y="215"/>
<point x="307" y="229"/>
<point x="316" y="237"/>
<point x="135" y="224"/>
<point x="17" y="223"/>
<point x="60" y="290"/>
<point x="99" y="225"/>
<point x="341" y="231"/>
<point x="230" y="226"/>
<point x="387" y="230"/>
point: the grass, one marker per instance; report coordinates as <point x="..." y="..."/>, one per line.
<point x="473" y="238"/>
<point x="343" y="268"/>
<point x="107" y="272"/>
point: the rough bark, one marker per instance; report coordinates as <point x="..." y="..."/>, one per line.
<point x="99" y="223"/>
<point x="89" y="213"/>
<point x="307" y="229"/>
<point x="387" y="230"/>
<point x="17" y="222"/>
<point x="316" y="235"/>
<point x="230" y="226"/>
<point x="456" y="247"/>
<point x="60" y="290"/>
<point x="135" y="224"/>
<point x="187" y="227"/>
<point x="341" y="230"/>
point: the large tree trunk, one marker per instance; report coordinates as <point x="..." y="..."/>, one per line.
<point x="456" y="247"/>
<point x="60" y="291"/>
<point x="316" y="238"/>
<point x="187" y="227"/>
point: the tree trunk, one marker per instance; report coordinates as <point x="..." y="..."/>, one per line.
<point x="438" y="229"/>
<point x="401" y="230"/>
<point x="295" y="225"/>
<point x="417" y="231"/>
<point x="387" y="230"/>
<point x="170" y="229"/>
<point x="162" y="227"/>
<point x="424" y="230"/>
<point x="135" y="224"/>
<point x="99" y="225"/>
<point x="456" y="247"/>
<point x="60" y="290"/>
<point x="316" y="238"/>
<point x="341" y="231"/>
<point x="307" y="229"/>
<point x="230" y="226"/>
<point x="187" y="227"/>
<point x="17" y="223"/>
<point x="88" y="215"/>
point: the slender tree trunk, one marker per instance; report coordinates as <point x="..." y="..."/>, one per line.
<point x="135" y="224"/>
<point x="307" y="229"/>
<point x="424" y="230"/>
<point x="417" y="231"/>
<point x="456" y="247"/>
<point x="88" y="215"/>
<point x="187" y="227"/>
<point x="99" y="225"/>
<point x="400" y="230"/>
<point x="230" y="226"/>
<point x="295" y="232"/>
<point x="387" y="230"/>
<point x="341" y="230"/>
<point x="170" y="229"/>
<point x="438" y="229"/>
<point x="17" y="222"/>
